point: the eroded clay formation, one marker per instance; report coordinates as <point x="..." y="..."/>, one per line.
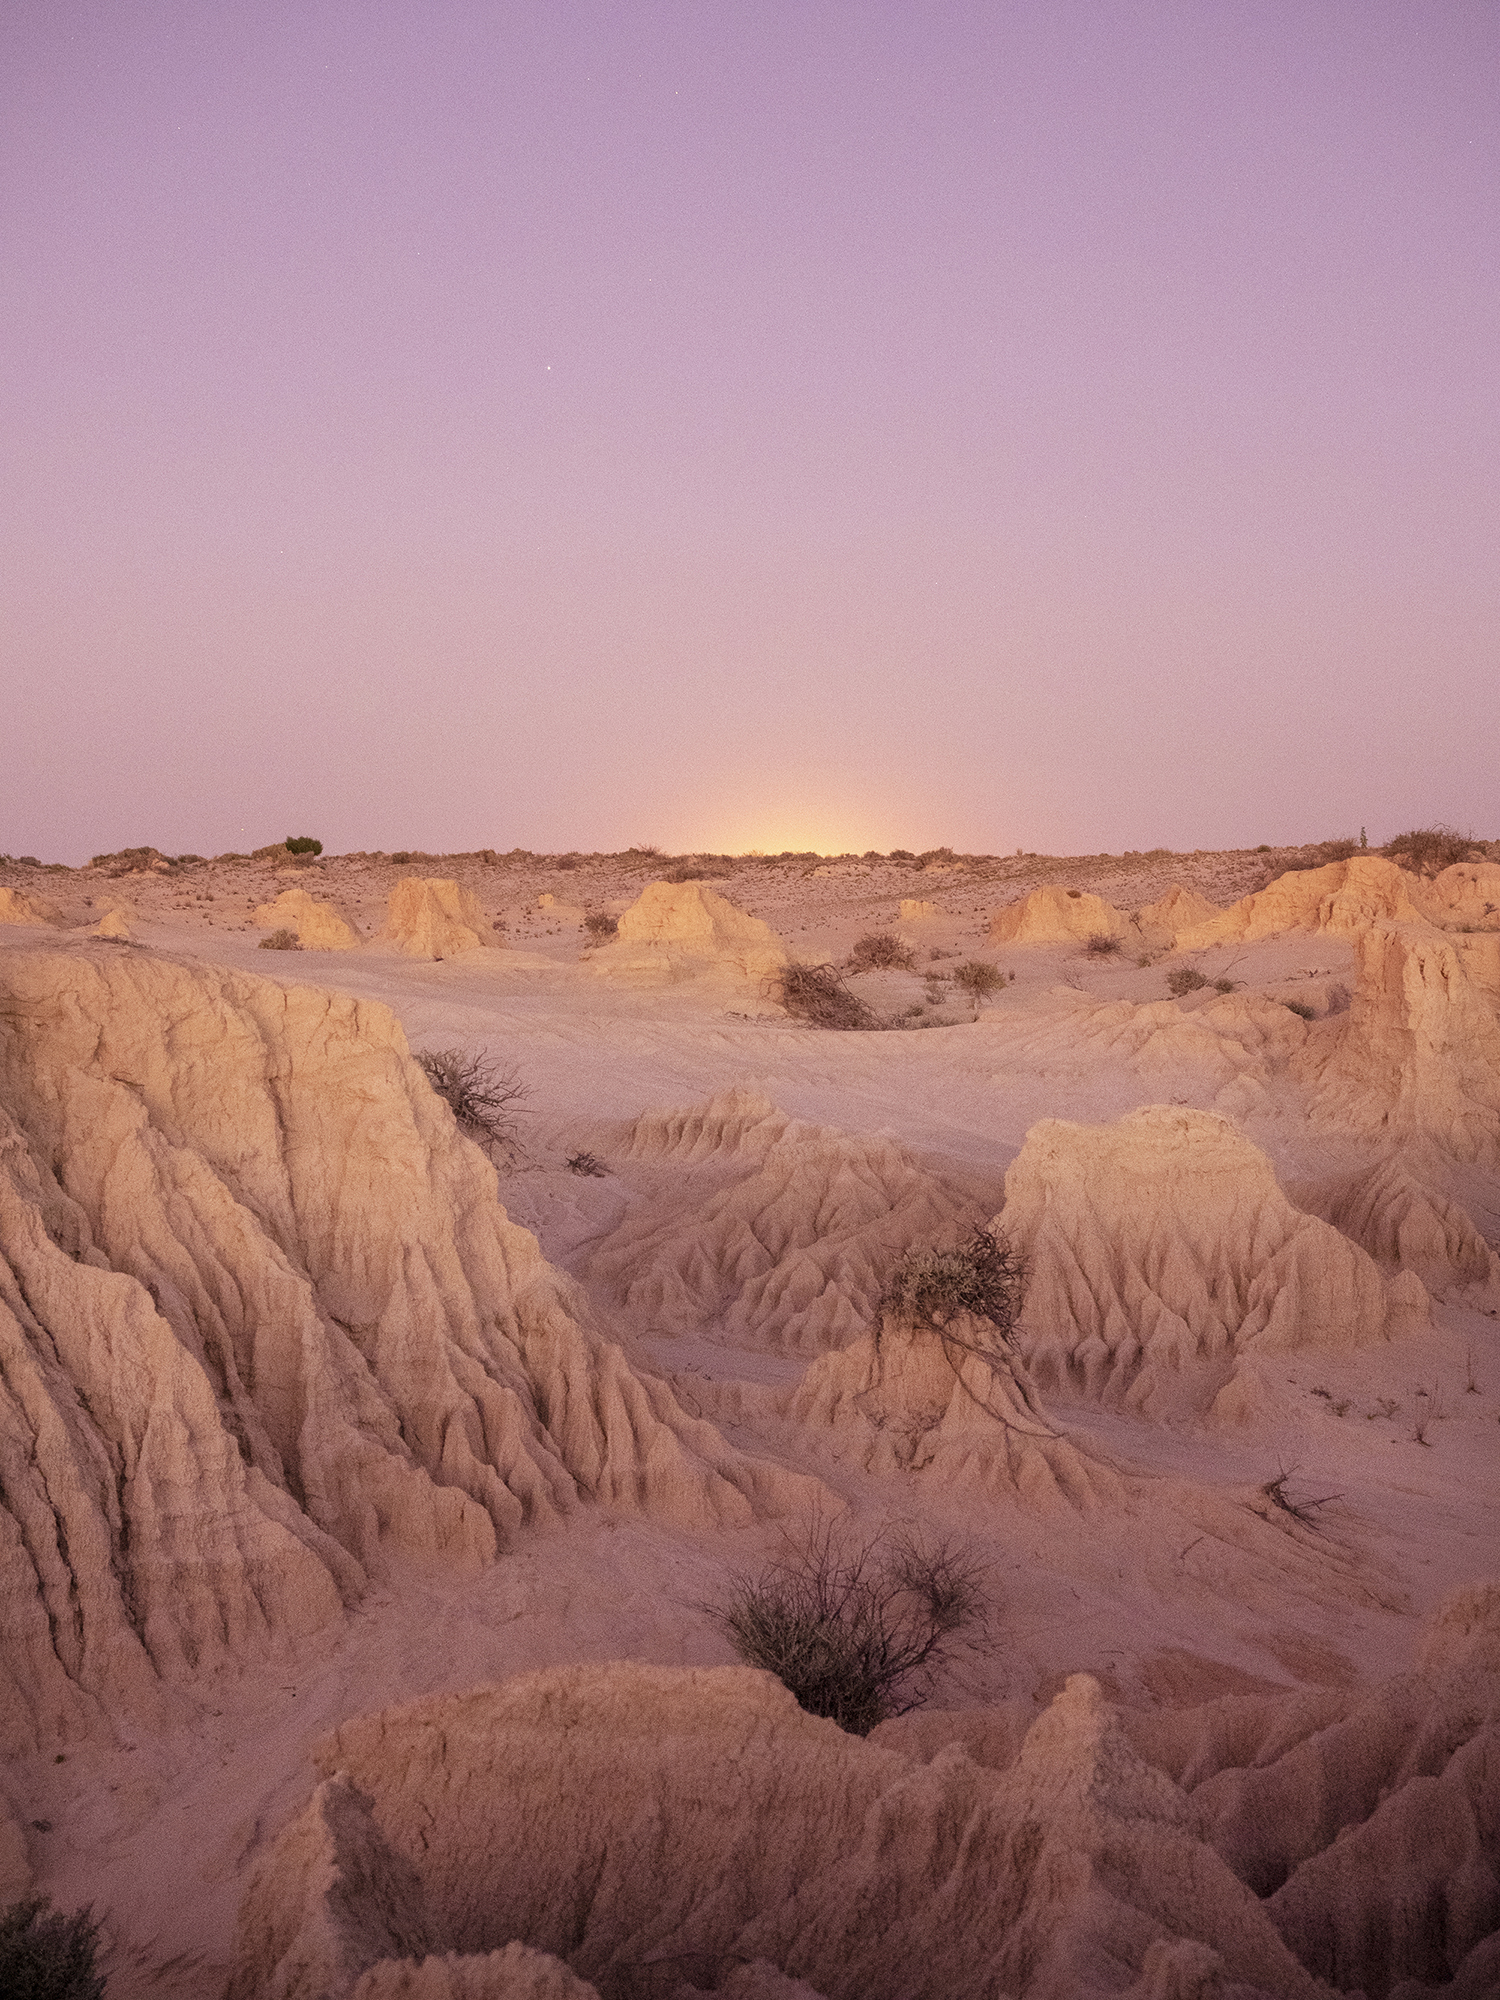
<point x="267" y="1334"/>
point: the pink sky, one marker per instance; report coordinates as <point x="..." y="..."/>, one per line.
<point x="451" y="424"/>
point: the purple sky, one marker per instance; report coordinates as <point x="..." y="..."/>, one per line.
<point x="447" y="424"/>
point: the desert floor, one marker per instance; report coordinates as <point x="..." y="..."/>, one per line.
<point x="1399" y="1440"/>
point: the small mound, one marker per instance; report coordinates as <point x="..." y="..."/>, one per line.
<point x="17" y="907"/>
<point x="909" y="1402"/>
<point x="677" y="931"/>
<point x="428" y="917"/>
<point x="785" y="1231"/>
<point x="1162" y="1252"/>
<point x="915" y="911"/>
<point x="1344" y="897"/>
<point x="1466" y="894"/>
<point x="319" y="926"/>
<point x="1403" y="1213"/>
<point x="1177" y="910"/>
<point x="1055" y="915"/>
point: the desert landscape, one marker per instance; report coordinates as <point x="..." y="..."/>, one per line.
<point x="455" y="1305"/>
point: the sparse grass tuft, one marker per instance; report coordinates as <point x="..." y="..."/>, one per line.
<point x="1302" y="1010"/>
<point x="588" y="1164"/>
<point x="1184" y="979"/>
<point x="47" y="1956"/>
<point x="1102" y="945"/>
<point x="817" y="994"/>
<point x="854" y="1630"/>
<point x="282" y="940"/>
<point x="879" y="951"/>
<point x="1224" y="985"/>
<point x="483" y="1096"/>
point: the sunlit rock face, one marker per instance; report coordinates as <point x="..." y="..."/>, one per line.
<point x="263" y="1324"/>
<point x="319" y="926"/>
<point x="678" y="931"/>
<point x="429" y="917"/>
<point x="1344" y="897"/>
<point x="1162" y="1253"/>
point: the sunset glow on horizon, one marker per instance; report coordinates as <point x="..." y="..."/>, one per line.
<point x="1062" y="427"/>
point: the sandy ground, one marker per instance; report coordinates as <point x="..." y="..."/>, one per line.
<point x="159" y="1834"/>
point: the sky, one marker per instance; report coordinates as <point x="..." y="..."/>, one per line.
<point x="442" y="425"/>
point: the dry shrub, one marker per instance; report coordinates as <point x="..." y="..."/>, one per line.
<point x="880" y="951"/>
<point x="600" y="925"/>
<point x="817" y="994"/>
<point x="978" y="979"/>
<point x="282" y="940"/>
<point x="1102" y="945"/>
<point x="483" y="1096"/>
<point x="588" y="1164"/>
<point x="1428" y="850"/>
<point x="985" y="1279"/>
<point x="854" y="1630"/>
<point x="47" y="1956"/>
<point x="1185" y="979"/>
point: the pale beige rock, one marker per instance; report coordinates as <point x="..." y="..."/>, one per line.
<point x="113" y="924"/>
<point x="1466" y="893"/>
<point x="1178" y="909"/>
<point x="915" y="911"/>
<point x="1054" y="914"/>
<point x="263" y="1325"/>
<point x="18" y="907"/>
<point x="428" y="917"/>
<point x="677" y="931"/>
<point x="616" y="1816"/>
<point x="319" y="926"/>
<point x="1162" y="1252"/>
<point x="787" y="1234"/>
<point x="1419" y="1050"/>
<point x="1344" y="897"/>
<point x="1404" y="1212"/>
<point x="906" y="1403"/>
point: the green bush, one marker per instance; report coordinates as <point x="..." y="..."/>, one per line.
<point x="303" y="843"/>
<point x="854" y="1630"/>
<point x="47" y="1956"/>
